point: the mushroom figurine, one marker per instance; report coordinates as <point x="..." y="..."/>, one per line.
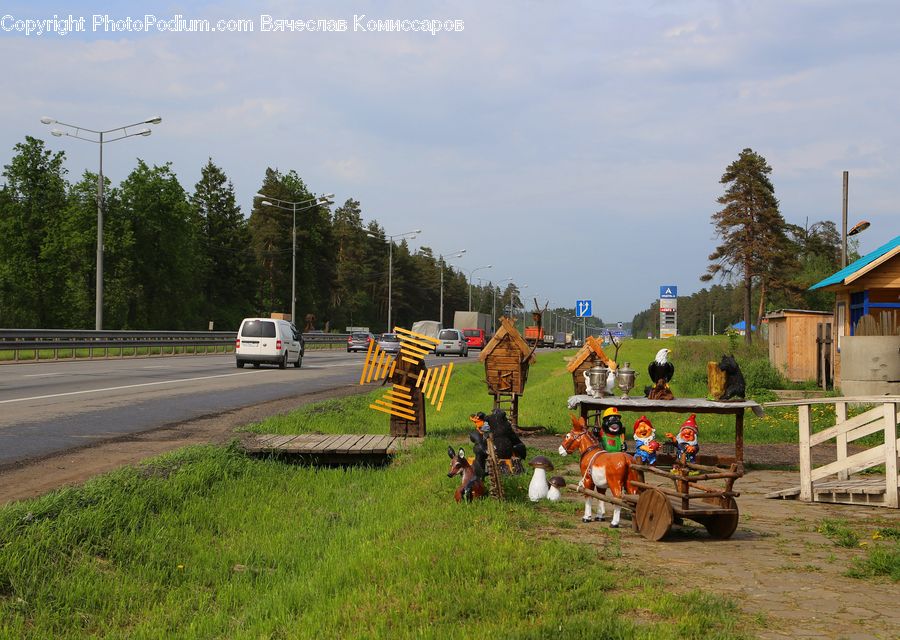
<point x="556" y="483"/>
<point x="538" y="487"/>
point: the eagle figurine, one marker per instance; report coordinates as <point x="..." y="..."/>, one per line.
<point x="661" y="371"/>
<point x="661" y="368"/>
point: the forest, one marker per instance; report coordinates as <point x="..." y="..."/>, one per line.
<point x="175" y="259"/>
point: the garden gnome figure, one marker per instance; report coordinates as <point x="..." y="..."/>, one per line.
<point x="612" y="436"/>
<point x="686" y="443"/>
<point x="556" y="483"/>
<point x="537" y="489"/>
<point x="645" y="444"/>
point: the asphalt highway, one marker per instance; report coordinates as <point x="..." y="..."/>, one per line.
<point x="51" y="407"/>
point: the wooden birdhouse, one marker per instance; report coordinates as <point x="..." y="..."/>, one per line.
<point x="590" y="354"/>
<point x="506" y="360"/>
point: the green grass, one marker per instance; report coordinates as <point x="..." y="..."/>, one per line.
<point x="549" y="386"/>
<point x="208" y="543"/>
<point x="881" y="545"/>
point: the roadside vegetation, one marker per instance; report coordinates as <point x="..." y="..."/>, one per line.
<point x="550" y="384"/>
<point x="880" y="541"/>
<point x="206" y="542"/>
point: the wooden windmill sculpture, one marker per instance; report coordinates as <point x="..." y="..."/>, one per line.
<point x="506" y="360"/>
<point x="413" y="383"/>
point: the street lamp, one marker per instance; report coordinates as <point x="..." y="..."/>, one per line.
<point x="406" y="235"/>
<point x="456" y="254"/>
<point x="512" y="295"/>
<point x="77" y="132"/>
<point x="487" y="266"/>
<point x="494" y="303"/>
<point x="859" y="227"/>
<point x="307" y="204"/>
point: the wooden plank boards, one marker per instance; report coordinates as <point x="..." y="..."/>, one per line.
<point x="361" y="444"/>
<point x="678" y="405"/>
<point x="869" y="491"/>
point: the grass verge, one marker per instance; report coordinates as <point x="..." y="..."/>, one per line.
<point x="208" y="543"/>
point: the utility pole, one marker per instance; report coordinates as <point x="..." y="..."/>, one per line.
<point x="844" y="221"/>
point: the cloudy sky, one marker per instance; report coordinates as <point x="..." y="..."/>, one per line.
<point x="576" y="146"/>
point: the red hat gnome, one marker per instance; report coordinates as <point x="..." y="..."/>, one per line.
<point x="687" y="443"/>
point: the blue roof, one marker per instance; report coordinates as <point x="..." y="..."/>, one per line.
<point x="850" y="269"/>
<point x="740" y="326"/>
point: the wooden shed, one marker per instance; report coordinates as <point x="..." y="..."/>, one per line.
<point x="506" y="360"/>
<point x="792" y="341"/>
<point x="867" y="306"/>
<point x="590" y="354"/>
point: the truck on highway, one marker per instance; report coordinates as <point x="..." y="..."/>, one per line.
<point x="563" y="340"/>
<point x="534" y="335"/>
<point x="430" y="328"/>
<point x="476" y="327"/>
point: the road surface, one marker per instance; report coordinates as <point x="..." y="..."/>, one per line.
<point x="53" y="407"/>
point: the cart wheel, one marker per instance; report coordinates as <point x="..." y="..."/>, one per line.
<point x="653" y="515"/>
<point x="721" y="527"/>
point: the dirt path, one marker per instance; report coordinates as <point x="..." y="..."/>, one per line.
<point x="777" y="565"/>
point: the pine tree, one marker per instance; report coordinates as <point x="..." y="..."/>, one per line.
<point x="754" y="245"/>
<point x="226" y="268"/>
<point x="165" y="292"/>
<point x="32" y="203"/>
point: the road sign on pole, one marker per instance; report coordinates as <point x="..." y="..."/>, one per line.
<point x="583" y="308"/>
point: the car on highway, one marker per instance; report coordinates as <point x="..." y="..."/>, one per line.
<point x="359" y="341"/>
<point x="452" y="341"/>
<point x="389" y="343"/>
<point x="268" y="341"/>
<point x="476" y="338"/>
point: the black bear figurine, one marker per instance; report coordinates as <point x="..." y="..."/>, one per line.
<point x="735" y="387"/>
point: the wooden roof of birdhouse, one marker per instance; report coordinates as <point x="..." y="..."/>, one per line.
<point x="507" y="331"/>
<point x="591" y="346"/>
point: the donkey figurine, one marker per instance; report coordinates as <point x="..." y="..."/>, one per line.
<point x="470" y="486"/>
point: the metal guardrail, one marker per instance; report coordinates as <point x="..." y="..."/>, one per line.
<point x="128" y="343"/>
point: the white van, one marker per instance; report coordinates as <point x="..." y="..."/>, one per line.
<point x="268" y="340"/>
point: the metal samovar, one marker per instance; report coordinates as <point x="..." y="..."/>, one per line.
<point x="625" y="379"/>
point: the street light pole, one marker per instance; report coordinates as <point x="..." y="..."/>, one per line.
<point x="494" y="304"/>
<point x="456" y="254"/>
<point x="78" y="133"/>
<point x="471" y="273"/>
<point x="409" y="235"/>
<point x="315" y="202"/>
<point x="857" y="228"/>
<point x="512" y="295"/>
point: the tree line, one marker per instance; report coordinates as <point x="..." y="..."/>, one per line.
<point x="764" y="262"/>
<point x="180" y="260"/>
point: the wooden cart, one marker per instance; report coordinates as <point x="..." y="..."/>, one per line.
<point x="656" y="507"/>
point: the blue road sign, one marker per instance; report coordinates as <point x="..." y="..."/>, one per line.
<point x="668" y="291"/>
<point x="583" y="308"/>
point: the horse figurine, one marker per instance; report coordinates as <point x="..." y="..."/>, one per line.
<point x="599" y="470"/>
<point x="471" y="486"/>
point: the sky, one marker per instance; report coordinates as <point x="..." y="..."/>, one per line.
<point x="575" y="146"/>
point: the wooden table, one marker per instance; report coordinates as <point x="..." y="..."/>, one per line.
<point x="592" y="407"/>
